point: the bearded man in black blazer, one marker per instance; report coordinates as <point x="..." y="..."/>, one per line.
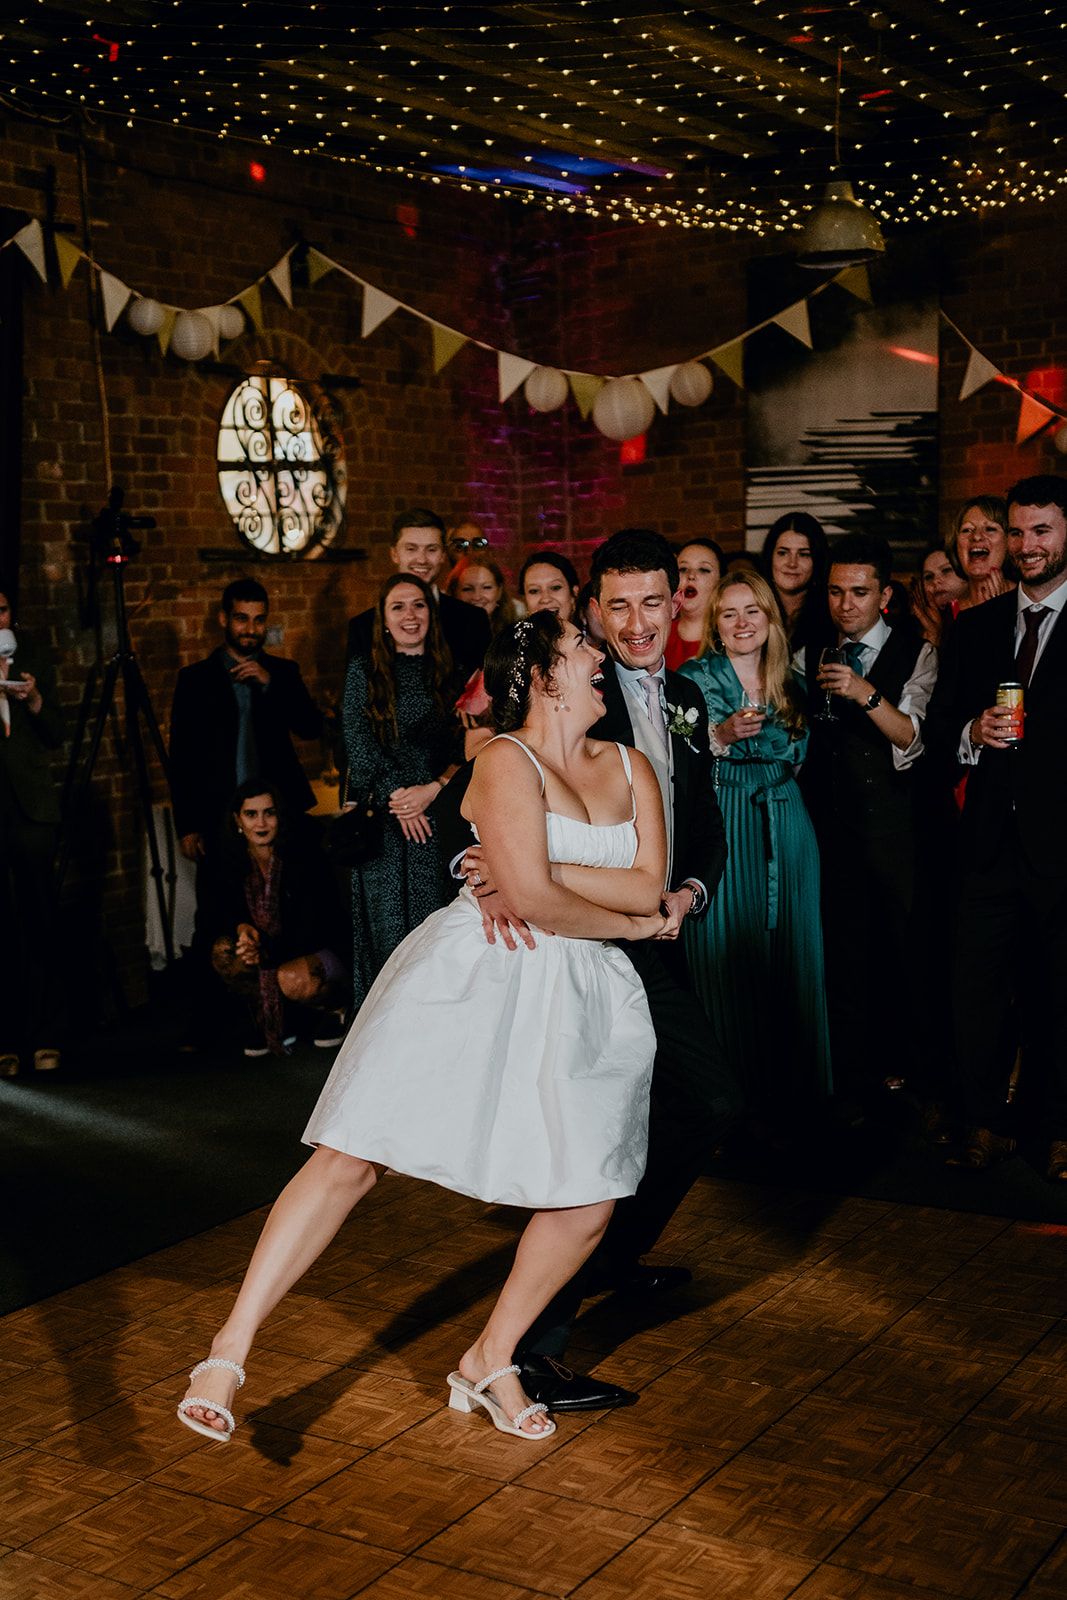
<point x="1011" y="934"/>
<point x="694" y="1098"/>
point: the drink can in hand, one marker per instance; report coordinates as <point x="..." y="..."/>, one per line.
<point x="1011" y="695"/>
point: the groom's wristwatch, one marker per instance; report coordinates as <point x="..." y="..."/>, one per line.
<point x="697" y="891"/>
<point x="873" y="701"/>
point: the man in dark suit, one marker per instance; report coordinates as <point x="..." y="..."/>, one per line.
<point x="418" y="548"/>
<point x="1010" y="952"/>
<point x="693" y="1099"/>
<point x="31" y="730"/>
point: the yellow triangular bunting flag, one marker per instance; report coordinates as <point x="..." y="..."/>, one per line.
<point x="282" y="280"/>
<point x="857" y="280"/>
<point x="1032" y="418"/>
<point x="30" y="241"/>
<point x="585" y="387"/>
<point x="68" y="255"/>
<point x="376" y="307"/>
<point x="794" y="319"/>
<point x="318" y="266"/>
<point x="511" y="371"/>
<point x="979" y="371"/>
<point x="731" y="360"/>
<point x="166" y="328"/>
<point x="251" y="299"/>
<point x="658" y="384"/>
<point x="446" y="341"/>
<point x="115" y="295"/>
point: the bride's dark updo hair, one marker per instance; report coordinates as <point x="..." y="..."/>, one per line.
<point x="510" y="661"/>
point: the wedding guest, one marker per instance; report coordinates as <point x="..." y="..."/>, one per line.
<point x="465" y="538"/>
<point x="402" y="744"/>
<point x="936" y="594"/>
<point x="699" y="570"/>
<point x="794" y="560"/>
<point x="479" y="581"/>
<point x="978" y="544"/>
<point x="757" y="957"/>
<point x="548" y="582"/>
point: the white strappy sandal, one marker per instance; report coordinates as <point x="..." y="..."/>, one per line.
<point x="211" y="1405"/>
<point x="465" y="1396"/>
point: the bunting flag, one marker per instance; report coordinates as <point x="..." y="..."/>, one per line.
<point x="281" y="278"/>
<point x="30" y="241"/>
<point x="318" y="266"/>
<point x="979" y="371"/>
<point x="166" y="328"/>
<point x="795" y="320"/>
<point x="511" y="371"/>
<point x="115" y="296"/>
<point x="585" y="386"/>
<point x="857" y="280"/>
<point x="251" y="302"/>
<point x="658" y="384"/>
<point x="1033" y="416"/>
<point x="68" y="255"/>
<point x="376" y="307"/>
<point x="731" y="359"/>
<point x="213" y="315"/>
<point x="446" y="342"/>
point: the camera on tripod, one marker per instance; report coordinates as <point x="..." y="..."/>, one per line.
<point x="110" y="534"/>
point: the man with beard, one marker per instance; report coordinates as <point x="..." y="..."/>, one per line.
<point x="1011" y="926"/>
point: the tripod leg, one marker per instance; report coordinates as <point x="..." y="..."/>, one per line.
<point x="136" y="700"/>
<point x="79" y="787"/>
<point x="134" y="680"/>
<point x="84" y="707"/>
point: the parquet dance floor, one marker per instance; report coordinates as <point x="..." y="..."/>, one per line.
<point x="855" y="1400"/>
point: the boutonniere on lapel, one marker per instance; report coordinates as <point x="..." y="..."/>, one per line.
<point x="683" y="720"/>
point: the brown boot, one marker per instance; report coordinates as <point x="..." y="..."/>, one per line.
<point x="983" y="1148"/>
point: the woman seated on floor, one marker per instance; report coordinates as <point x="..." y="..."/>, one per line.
<point x="275" y="903"/>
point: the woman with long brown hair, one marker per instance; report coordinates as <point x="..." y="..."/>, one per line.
<point x="402" y="744"/>
<point x="757" y="957"/>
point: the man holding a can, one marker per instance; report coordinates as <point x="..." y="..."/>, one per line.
<point x="999" y="708"/>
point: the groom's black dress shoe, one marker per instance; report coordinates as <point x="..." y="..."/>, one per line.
<point x="561" y="1389"/>
<point x="639" y="1280"/>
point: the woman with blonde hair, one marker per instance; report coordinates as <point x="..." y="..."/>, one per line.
<point x="757" y="957"/>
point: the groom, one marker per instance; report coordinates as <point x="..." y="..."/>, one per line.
<point x="634" y="579"/>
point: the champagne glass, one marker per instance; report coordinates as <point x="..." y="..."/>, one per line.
<point x="828" y="657"/>
<point x="752" y="707"/>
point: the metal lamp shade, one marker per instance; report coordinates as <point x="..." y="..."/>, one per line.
<point x="839" y="232"/>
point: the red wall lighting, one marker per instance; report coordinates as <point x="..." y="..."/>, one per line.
<point x="257" y="172"/>
<point x="632" y="451"/>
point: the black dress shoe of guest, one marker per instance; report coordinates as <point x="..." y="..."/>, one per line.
<point x="983" y="1147"/>
<point x="556" y="1386"/>
<point x="639" y="1280"/>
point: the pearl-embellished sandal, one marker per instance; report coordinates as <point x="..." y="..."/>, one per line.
<point x="465" y="1396"/>
<point x="211" y="1405"/>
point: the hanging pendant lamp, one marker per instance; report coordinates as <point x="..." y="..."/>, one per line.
<point x="839" y="232"/>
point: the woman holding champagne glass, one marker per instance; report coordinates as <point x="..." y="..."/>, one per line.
<point x="757" y="956"/>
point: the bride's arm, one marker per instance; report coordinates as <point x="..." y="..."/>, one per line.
<point x="504" y="801"/>
<point x="638" y="888"/>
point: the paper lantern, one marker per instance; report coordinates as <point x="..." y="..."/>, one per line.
<point x="1059" y="439"/>
<point x="145" y="316"/>
<point x="690" y="383"/>
<point x="193" y="335"/>
<point x="623" y="408"/>
<point x="231" y="322"/>
<point x="546" y="389"/>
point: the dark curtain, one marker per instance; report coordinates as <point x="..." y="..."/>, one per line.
<point x="12" y="268"/>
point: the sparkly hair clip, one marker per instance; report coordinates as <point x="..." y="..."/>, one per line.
<point x="522" y="630"/>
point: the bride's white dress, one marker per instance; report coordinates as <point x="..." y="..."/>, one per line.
<point x="517" y="1076"/>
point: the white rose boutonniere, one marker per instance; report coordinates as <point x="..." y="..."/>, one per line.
<point x="683" y="720"/>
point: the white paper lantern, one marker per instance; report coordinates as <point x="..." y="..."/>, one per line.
<point x="623" y="408"/>
<point x="546" y="388"/>
<point x="193" y="335"/>
<point x="231" y="322"/>
<point x="145" y="316"/>
<point x="1059" y="439"/>
<point x="690" y="383"/>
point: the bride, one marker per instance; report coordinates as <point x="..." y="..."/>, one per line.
<point x="537" y="1094"/>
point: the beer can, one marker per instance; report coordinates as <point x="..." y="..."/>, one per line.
<point x="1011" y="694"/>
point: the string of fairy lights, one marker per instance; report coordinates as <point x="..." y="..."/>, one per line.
<point x="699" y="116"/>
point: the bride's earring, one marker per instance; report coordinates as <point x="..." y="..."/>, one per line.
<point x="561" y="704"/>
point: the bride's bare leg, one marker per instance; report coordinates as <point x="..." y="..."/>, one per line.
<point x="553" y="1246"/>
<point x="302" y="1221"/>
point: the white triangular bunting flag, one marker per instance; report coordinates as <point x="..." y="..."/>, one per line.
<point x="658" y="384"/>
<point x="511" y="371"/>
<point x="30" y="241"/>
<point x="979" y="371"/>
<point x="1032" y="418"/>
<point x="115" y="295"/>
<point x="794" y="319"/>
<point x="282" y="280"/>
<point x="376" y="307"/>
<point x="857" y="280"/>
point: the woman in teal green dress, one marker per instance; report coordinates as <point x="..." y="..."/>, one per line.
<point x="757" y="956"/>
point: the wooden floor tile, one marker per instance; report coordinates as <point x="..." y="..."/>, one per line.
<point x="837" y="1304"/>
<point x="45" y="1330"/>
<point x="38" y="1492"/>
<point x="142" y="1536"/>
<point x="1007" y="1285"/>
<point x="979" y="1332"/>
<point x="40" y="1402"/>
<point x="958" y="1550"/>
<point x="911" y="1380"/>
<point x="983" y="1466"/>
<point x="683" y="1406"/>
<point x="1049" y="1582"/>
<point x="260" y="1469"/>
<point x="415" y="1578"/>
<point x="1050" y="1353"/>
<point x="614" y="1467"/>
<point x="139" y="1435"/>
<point x="334" y="1331"/>
<point x="472" y="1444"/>
<point x="363" y="1409"/>
<point x="687" y="1565"/>
<point x="277" y="1560"/>
<point x="861" y="1442"/>
<point x="835" y="1583"/>
<point x="761" y="1352"/>
<point x="788" y="1508"/>
<point x="26" y="1576"/>
<point x="1028" y="1401"/>
<point x="394" y="1502"/>
<point x="526" y="1537"/>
